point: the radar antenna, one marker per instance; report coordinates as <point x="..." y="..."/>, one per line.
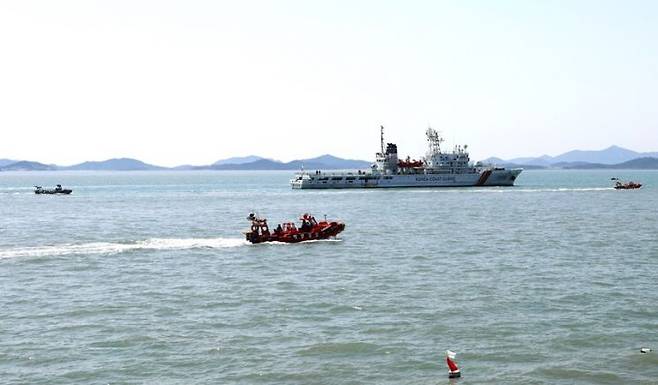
<point x="434" y="140"/>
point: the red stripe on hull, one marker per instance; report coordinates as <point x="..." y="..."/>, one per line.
<point x="483" y="178"/>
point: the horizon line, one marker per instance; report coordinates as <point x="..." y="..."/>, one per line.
<point x="299" y="159"/>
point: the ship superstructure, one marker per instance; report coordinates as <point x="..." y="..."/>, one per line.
<point x="436" y="169"/>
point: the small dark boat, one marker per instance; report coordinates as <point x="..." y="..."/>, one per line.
<point x="56" y="190"/>
<point x="288" y="232"/>
<point x="620" y="185"/>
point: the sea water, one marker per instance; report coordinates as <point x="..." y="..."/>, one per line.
<point x="145" y="278"/>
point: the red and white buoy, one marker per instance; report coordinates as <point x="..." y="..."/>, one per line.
<point x="453" y="369"/>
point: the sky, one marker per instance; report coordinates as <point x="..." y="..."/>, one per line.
<point x="191" y="82"/>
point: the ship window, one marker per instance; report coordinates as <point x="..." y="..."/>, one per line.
<point x="337" y="178"/>
<point x="324" y="178"/>
<point x="362" y="178"/>
<point x="350" y="178"/>
<point x="388" y="177"/>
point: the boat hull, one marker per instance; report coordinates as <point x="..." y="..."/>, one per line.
<point x="53" y="192"/>
<point x="633" y="187"/>
<point x="495" y="177"/>
<point x="322" y="231"/>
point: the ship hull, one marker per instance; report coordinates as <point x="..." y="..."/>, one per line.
<point x="494" y="177"/>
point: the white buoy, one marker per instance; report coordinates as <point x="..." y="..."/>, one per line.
<point x="645" y="350"/>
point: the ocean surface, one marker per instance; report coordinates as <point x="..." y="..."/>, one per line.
<point x="144" y="278"/>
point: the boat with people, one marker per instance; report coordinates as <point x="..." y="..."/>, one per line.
<point x="621" y="185"/>
<point x="57" y="190"/>
<point x="437" y="169"/>
<point x="310" y="229"/>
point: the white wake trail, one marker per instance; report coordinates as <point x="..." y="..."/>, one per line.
<point x="115" y="248"/>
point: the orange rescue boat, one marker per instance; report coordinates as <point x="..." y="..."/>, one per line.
<point x="310" y="229"/>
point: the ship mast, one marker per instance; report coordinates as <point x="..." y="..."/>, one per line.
<point x="434" y="140"/>
<point x="381" y="134"/>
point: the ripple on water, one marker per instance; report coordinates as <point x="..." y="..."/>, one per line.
<point x="340" y="349"/>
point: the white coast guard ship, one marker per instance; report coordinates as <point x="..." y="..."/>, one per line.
<point x="437" y="169"/>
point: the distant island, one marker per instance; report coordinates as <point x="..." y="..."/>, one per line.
<point x="646" y="163"/>
<point x="252" y="162"/>
<point x="613" y="157"/>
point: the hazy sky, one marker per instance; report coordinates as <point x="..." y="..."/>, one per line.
<point x="172" y="82"/>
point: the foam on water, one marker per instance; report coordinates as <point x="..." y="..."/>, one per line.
<point x="499" y="190"/>
<point x="566" y="189"/>
<point x="115" y="248"/>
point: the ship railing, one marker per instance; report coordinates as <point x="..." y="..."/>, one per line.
<point x="333" y="173"/>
